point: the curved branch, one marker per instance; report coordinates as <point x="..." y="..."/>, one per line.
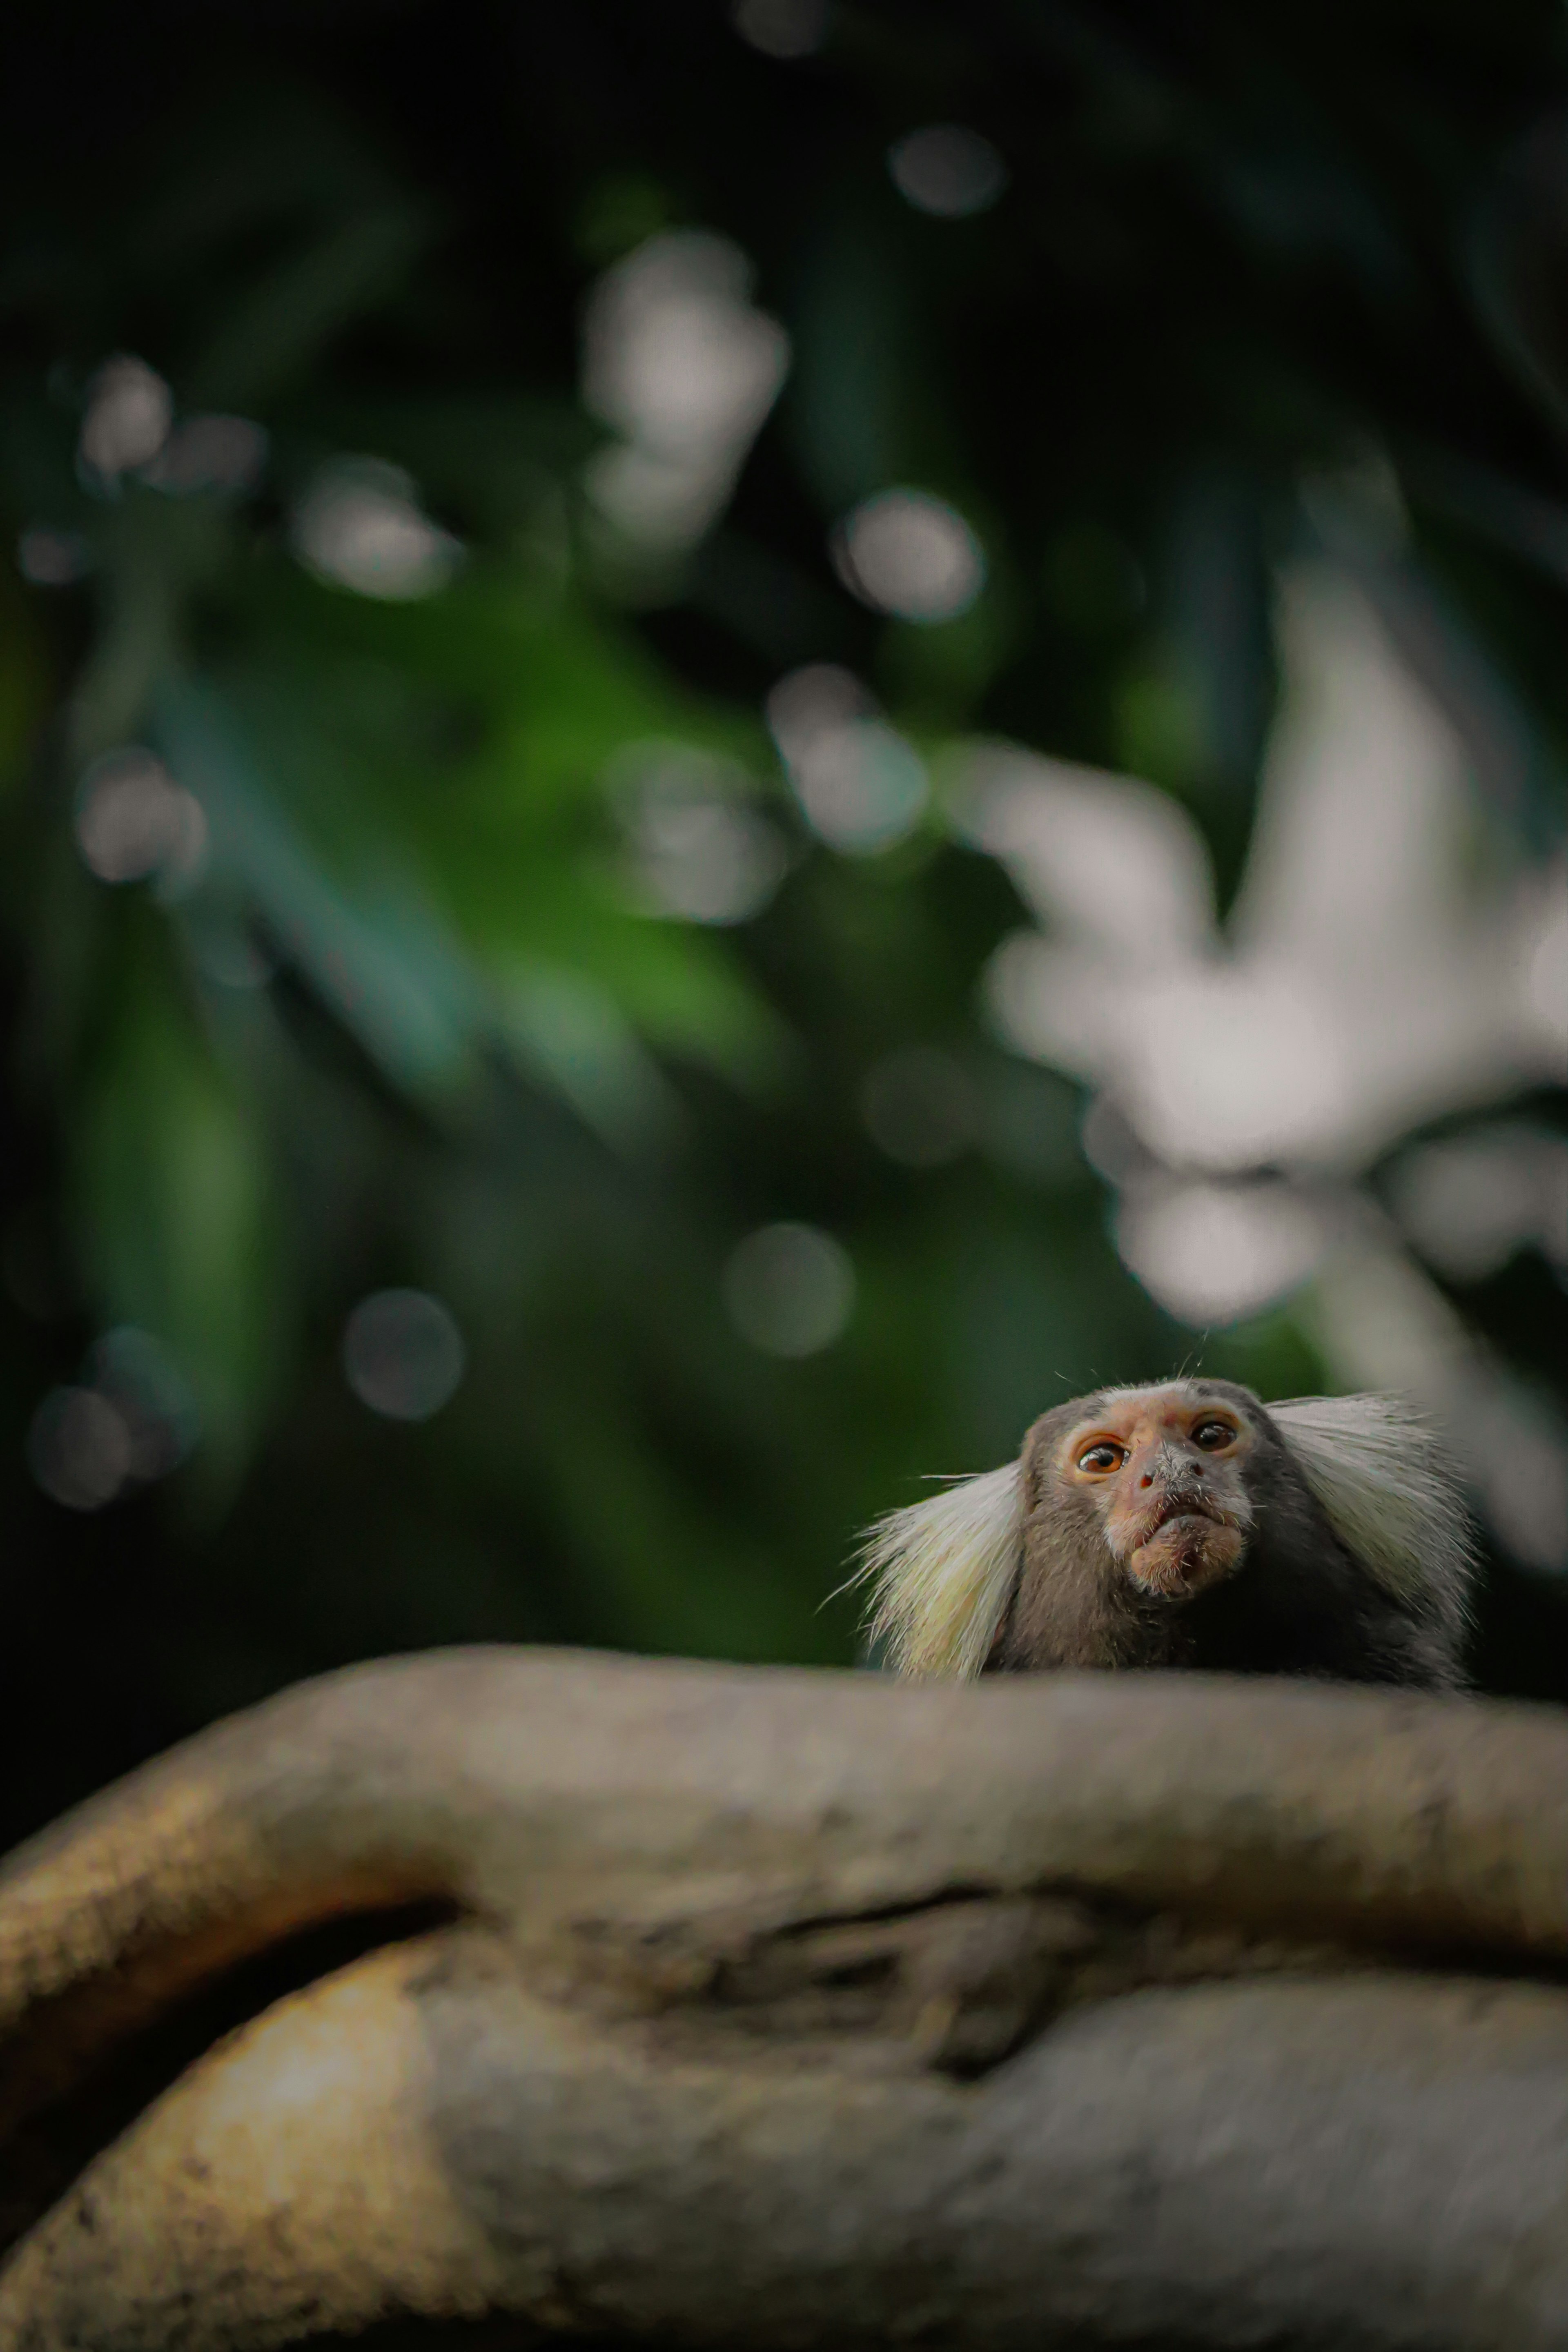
<point x="1373" y="2162"/>
<point x="796" y="2006"/>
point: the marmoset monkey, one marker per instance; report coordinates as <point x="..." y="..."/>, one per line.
<point x="1188" y="1525"/>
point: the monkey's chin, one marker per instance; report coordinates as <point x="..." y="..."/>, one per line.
<point x="1186" y="1557"/>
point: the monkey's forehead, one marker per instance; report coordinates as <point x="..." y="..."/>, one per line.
<point x="1152" y="1396"/>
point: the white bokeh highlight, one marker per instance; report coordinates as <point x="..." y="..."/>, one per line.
<point x="402" y="1354"/>
<point x="78" y="1449"/>
<point x="909" y="554"/>
<point x="1470" y="1203"/>
<point x="129" y="1421"/>
<point x="1213" y="1253"/>
<point x="789" y="1289"/>
<point x="860" y="785"/>
<point x="683" y="367"/>
<point x="209" y="453"/>
<point x="947" y="170"/>
<point x="781" y="29"/>
<point x="126" y="422"/>
<point x="359" y="526"/>
<point x="132" y="823"/>
<point x="139" y="1377"/>
<point x="52" y="559"/>
<point x="701" y="850"/>
<point x="1382" y="1323"/>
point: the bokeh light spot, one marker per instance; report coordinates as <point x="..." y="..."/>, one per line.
<point x="681" y="364"/>
<point x="1101" y="859"/>
<point x="359" y="526"/>
<point x="136" y="1375"/>
<point x="948" y="170"/>
<point x="402" y="1354"/>
<point x="129" y="412"/>
<point x="920" y="1106"/>
<point x="210" y="453"/>
<point x="909" y="554"/>
<point x="781" y="29"/>
<point x="80" y="1448"/>
<point x="52" y="559"/>
<point x="1469" y="1202"/>
<point x="860" y="785"/>
<point x="1211" y="1253"/>
<point x="701" y="851"/>
<point x="790" y="1289"/>
<point x="133" y="821"/>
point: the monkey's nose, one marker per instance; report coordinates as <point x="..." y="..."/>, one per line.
<point x="1170" y="1464"/>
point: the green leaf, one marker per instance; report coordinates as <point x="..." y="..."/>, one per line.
<point x="24" y="681"/>
<point x="177" y="1222"/>
<point x="380" y="956"/>
<point x="572" y="1034"/>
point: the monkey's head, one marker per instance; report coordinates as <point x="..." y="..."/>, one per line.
<point x="1157" y="1474"/>
<point x="1136" y="1502"/>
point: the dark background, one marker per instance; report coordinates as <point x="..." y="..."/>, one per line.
<point x="1238" y="249"/>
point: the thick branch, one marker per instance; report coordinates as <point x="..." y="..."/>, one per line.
<point x="804" y="2008"/>
<point x="1370" y="2163"/>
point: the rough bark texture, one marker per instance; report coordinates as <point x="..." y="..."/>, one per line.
<point x="784" y="2010"/>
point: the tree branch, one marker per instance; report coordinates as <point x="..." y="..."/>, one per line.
<point x="790" y="2008"/>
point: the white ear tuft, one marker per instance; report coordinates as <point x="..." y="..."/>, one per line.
<point x="1388" y="1490"/>
<point x="941" y="1573"/>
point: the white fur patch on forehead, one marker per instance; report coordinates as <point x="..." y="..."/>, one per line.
<point x="1195" y="1391"/>
<point x="941" y="1572"/>
<point x="1386" y="1487"/>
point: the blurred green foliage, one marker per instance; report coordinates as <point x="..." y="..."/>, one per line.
<point x="1235" y="246"/>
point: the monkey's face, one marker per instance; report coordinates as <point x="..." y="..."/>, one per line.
<point x="1163" y="1470"/>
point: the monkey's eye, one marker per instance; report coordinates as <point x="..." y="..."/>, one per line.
<point x="1211" y="1434"/>
<point x="1101" y="1456"/>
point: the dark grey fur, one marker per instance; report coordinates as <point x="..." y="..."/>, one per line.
<point x="1299" y="1604"/>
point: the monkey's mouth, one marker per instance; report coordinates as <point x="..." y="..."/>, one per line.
<point x="1172" y="1510"/>
<point x="1184" y="1544"/>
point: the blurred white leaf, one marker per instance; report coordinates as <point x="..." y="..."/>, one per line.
<point x="129" y="412"/>
<point x="1469" y="1202"/>
<point x="1214" y="1252"/>
<point x="1114" y="862"/>
<point x="1381" y="1323"/>
<point x="359" y="526"/>
<point x="679" y="362"/>
<point x="861" y="785"/>
<point x="1375" y="975"/>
